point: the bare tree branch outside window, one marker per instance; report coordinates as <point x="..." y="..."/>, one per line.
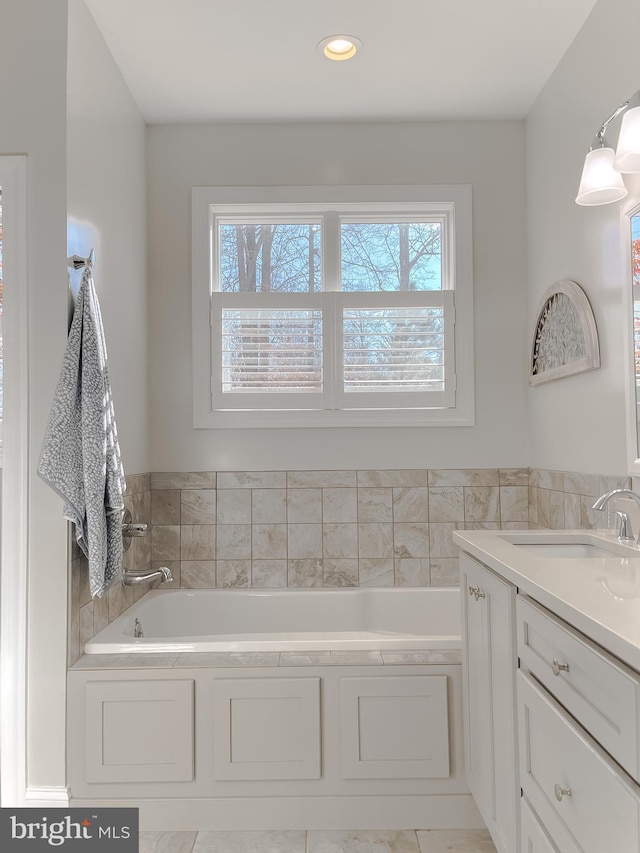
<point x="384" y="349"/>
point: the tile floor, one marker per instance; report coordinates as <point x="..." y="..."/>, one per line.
<point x="320" y="841"/>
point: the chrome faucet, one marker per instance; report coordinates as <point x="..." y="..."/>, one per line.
<point x="133" y="578"/>
<point x="625" y="532"/>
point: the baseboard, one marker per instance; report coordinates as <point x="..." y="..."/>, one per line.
<point x="391" y="812"/>
<point x="47" y="796"/>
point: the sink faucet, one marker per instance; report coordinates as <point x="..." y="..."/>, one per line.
<point x="132" y="578"/>
<point x="625" y="532"/>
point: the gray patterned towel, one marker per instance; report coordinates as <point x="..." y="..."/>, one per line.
<point x="80" y="456"/>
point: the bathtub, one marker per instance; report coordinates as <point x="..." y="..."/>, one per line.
<point x="288" y="740"/>
<point x="239" y="620"/>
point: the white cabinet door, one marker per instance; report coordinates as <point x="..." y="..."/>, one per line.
<point x="489" y="666"/>
<point x="394" y="727"/>
<point x="266" y="728"/>
<point x="139" y="731"/>
<point x="584" y="800"/>
<point x="534" y="836"/>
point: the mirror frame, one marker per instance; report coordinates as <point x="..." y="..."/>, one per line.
<point x="633" y="400"/>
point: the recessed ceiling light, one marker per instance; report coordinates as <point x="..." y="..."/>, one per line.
<point x="340" y="47"/>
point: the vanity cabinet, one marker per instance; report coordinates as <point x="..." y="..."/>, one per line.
<point x="577" y="712"/>
<point x="489" y="667"/>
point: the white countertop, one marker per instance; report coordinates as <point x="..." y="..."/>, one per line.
<point x="600" y="596"/>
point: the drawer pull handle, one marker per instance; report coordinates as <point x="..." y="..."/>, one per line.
<point x="561" y="792"/>
<point x="559" y="667"/>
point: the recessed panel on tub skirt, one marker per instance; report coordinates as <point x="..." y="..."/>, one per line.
<point x="395" y="727"/>
<point x="266" y="728"/>
<point x="139" y="731"/>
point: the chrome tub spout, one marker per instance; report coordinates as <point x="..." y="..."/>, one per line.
<point x="133" y="578"/>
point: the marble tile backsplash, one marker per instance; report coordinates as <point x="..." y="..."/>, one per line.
<point x="563" y="499"/>
<point x="323" y="528"/>
<point x="326" y="528"/>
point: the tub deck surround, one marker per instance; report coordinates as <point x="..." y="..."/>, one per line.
<point x="253" y="660"/>
<point x="599" y="596"/>
<point x="342" y="621"/>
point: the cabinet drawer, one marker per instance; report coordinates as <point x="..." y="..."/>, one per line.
<point x="600" y="692"/>
<point x="534" y="835"/>
<point x="602" y="811"/>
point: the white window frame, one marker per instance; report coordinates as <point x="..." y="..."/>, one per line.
<point x="451" y="202"/>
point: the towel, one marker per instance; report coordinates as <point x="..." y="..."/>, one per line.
<point x="80" y="456"/>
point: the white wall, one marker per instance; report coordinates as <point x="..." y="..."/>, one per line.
<point x="488" y="155"/>
<point x="33" y="37"/>
<point x="106" y="192"/>
<point x="106" y="210"/>
<point x="578" y="423"/>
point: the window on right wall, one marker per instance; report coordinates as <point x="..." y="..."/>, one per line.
<point x="321" y="307"/>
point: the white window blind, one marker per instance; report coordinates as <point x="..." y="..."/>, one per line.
<point x="332" y="314"/>
<point x="397" y="349"/>
<point x="267" y="350"/>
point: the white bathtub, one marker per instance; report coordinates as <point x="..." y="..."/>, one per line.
<point x="285" y="620"/>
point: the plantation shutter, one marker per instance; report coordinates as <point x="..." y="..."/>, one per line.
<point x="333" y="350"/>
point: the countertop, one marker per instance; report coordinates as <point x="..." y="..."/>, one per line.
<point x="600" y="596"/>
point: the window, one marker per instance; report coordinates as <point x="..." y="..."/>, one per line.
<point x="342" y="306"/>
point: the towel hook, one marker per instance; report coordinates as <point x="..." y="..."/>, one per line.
<point x="78" y="262"/>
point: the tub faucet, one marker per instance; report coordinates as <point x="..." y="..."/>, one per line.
<point x="133" y="578"/>
<point x="625" y="532"/>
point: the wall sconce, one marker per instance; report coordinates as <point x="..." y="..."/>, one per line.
<point x="601" y="181"/>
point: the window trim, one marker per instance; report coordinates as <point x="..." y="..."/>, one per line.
<point x="453" y="201"/>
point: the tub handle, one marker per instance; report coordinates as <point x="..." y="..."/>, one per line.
<point x="131" y="529"/>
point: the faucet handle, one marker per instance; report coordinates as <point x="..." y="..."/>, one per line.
<point x="130" y="529"/>
<point x="625" y="531"/>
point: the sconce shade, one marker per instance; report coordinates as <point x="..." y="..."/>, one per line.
<point x="628" y="152"/>
<point x="600" y="183"/>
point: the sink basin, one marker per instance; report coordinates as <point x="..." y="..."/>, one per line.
<point x="573" y="545"/>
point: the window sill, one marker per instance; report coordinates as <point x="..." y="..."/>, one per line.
<point x="255" y="419"/>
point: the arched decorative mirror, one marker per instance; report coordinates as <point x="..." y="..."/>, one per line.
<point x="632" y="227"/>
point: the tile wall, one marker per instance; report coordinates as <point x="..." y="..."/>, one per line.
<point x="87" y="616"/>
<point x="326" y="528"/>
<point x="323" y="528"/>
<point x="563" y="499"/>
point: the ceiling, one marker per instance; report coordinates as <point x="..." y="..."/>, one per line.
<point x="256" y="60"/>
